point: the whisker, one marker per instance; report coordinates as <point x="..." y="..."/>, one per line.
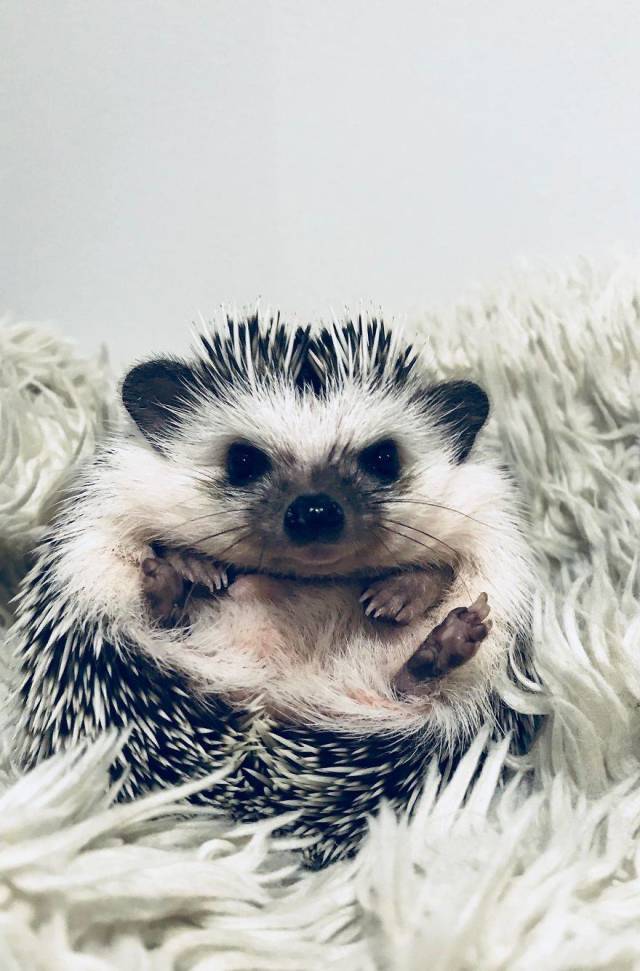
<point x="235" y="543"/>
<point x="214" y="481"/>
<point x="424" y="533"/>
<point x="438" y="505"/>
<point x="396" y="532"/>
<point x="414" y="540"/>
<point x="204" y="477"/>
<point x="183" y="612"/>
<point x="222" y="532"/>
<point x="387" y="548"/>
<point x="208" y="515"/>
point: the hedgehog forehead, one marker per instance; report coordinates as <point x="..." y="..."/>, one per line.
<point x="284" y="421"/>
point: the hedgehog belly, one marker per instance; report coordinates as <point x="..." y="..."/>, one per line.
<point x="76" y="684"/>
<point x="308" y="651"/>
<point x="78" y="680"/>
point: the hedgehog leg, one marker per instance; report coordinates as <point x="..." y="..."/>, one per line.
<point x="169" y="580"/>
<point x="452" y="643"/>
<point x="164" y="589"/>
<point x="403" y="597"/>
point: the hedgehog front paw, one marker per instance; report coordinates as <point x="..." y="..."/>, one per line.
<point x="452" y="643"/>
<point x="169" y="580"/>
<point x="163" y="588"/>
<point x="198" y="570"/>
<point x="404" y="596"/>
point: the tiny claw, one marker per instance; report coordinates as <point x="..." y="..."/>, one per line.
<point x="481" y="601"/>
<point x="480" y="607"/>
<point x="404" y="615"/>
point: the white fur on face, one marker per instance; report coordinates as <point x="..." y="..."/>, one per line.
<point x="313" y="444"/>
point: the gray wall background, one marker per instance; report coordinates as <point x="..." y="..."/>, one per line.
<point x="160" y="157"/>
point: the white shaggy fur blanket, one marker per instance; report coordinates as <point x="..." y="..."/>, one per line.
<point x="543" y="871"/>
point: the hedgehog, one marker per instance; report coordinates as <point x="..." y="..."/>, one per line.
<point x="291" y="557"/>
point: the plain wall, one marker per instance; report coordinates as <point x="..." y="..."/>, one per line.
<point x="160" y="158"/>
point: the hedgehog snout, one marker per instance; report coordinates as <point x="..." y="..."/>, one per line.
<point x="314" y="518"/>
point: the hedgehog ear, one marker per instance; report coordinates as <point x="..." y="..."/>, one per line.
<point x="152" y="392"/>
<point x="462" y="408"/>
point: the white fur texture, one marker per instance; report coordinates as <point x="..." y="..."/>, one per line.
<point x="544" y="872"/>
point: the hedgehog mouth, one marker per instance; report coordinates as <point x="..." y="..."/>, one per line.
<point x="316" y="560"/>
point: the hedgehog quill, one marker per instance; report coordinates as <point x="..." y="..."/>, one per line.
<point x="293" y="554"/>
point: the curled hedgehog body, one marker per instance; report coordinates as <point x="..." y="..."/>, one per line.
<point x="281" y="561"/>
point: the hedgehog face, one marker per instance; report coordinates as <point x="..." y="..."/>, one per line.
<point x="325" y="469"/>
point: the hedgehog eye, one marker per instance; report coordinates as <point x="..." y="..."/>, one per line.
<point x="381" y="460"/>
<point x="246" y="463"/>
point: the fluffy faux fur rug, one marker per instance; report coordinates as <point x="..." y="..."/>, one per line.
<point x="543" y="871"/>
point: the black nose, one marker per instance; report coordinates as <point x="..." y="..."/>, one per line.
<point x="314" y="518"/>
